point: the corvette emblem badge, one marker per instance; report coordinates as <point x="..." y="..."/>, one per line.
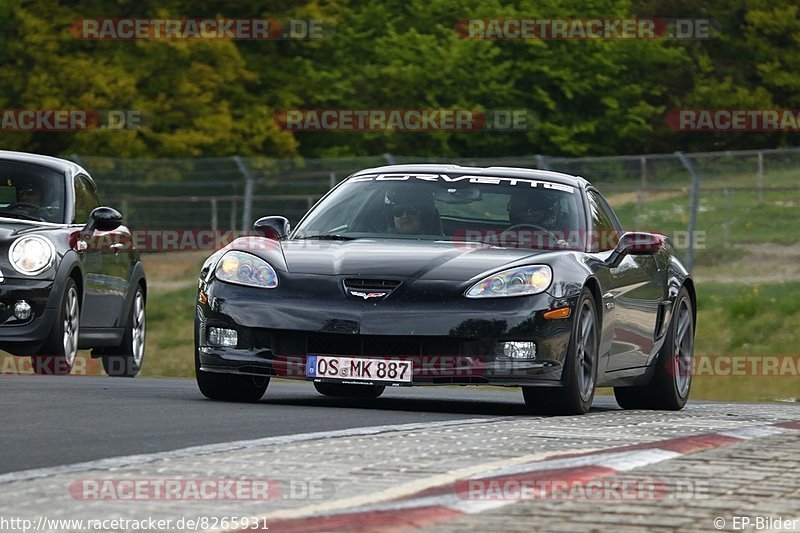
<point x="368" y="295"/>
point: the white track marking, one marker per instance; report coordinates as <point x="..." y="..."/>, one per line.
<point x="638" y="458"/>
<point x="754" y="432"/>
<point x="381" y="501"/>
<point x="416" y="486"/>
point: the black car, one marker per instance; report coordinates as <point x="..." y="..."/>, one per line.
<point x="71" y="277"/>
<point x="440" y="275"/>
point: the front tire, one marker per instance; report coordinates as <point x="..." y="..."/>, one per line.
<point x="226" y="387"/>
<point x="61" y="347"/>
<point x="126" y="359"/>
<point x="669" y="389"/>
<point x="230" y="387"/>
<point x="580" y="367"/>
<point x="349" y="391"/>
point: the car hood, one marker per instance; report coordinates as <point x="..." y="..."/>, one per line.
<point x="10" y="229"/>
<point x="453" y="261"/>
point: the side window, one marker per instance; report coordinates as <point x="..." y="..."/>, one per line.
<point x="606" y="229"/>
<point x="85" y="200"/>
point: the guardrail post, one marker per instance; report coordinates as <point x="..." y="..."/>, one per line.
<point x="247" y="209"/>
<point x="760" y="176"/>
<point x="726" y="222"/>
<point x="214" y="215"/>
<point x="694" y="206"/>
<point x="541" y="164"/>
<point x="641" y="197"/>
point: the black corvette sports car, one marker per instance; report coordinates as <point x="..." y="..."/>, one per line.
<point x="70" y="275"/>
<point x="435" y="274"/>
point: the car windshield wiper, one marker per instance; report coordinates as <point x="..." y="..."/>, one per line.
<point x="329" y="237"/>
<point x="17" y="214"/>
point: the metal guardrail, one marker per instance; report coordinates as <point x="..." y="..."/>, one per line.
<point x="228" y="193"/>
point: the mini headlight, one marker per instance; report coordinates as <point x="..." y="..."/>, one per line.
<point x="32" y="255"/>
<point x="246" y="269"/>
<point x="514" y="282"/>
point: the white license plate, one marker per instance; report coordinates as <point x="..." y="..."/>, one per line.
<point x="358" y="369"/>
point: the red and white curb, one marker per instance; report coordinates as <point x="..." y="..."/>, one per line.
<point x="447" y="501"/>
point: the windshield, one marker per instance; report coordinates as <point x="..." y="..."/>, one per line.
<point x="501" y="211"/>
<point x="31" y="192"/>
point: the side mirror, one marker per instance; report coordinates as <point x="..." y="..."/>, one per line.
<point x="275" y="228"/>
<point x="103" y="219"/>
<point x="635" y="243"/>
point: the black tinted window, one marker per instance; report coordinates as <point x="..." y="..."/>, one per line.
<point x="31" y="192"/>
<point x="605" y="227"/>
<point x="85" y="200"/>
<point x="505" y="211"/>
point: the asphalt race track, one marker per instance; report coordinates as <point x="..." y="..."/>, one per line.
<point x="401" y="461"/>
<point x="64" y="420"/>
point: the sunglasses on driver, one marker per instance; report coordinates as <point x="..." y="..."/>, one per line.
<point x="405" y="210"/>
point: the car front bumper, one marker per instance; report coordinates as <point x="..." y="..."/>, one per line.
<point x="448" y="342"/>
<point x="23" y="337"/>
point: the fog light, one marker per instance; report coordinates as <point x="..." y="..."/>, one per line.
<point x="22" y="310"/>
<point x="519" y="349"/>
<point x="222" y="336"/>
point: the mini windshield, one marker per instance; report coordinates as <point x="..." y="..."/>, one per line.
<point x="31" y="192"/>
<point x="502" y="211"/>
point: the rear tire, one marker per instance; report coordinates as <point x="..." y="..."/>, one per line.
<point x="126" y="359"/>
<point x="672" y="382"/>
<point x="576" y="394"/>
<point x="61" y="347"/>
<point x="351" y="391"/>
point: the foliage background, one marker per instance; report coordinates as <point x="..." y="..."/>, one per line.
<point x="217" y="98"/>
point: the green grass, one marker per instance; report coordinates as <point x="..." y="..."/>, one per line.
<point x="753" y="320"/>
<point x="170" y="335"/>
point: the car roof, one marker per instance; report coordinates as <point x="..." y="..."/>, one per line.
<point x="67" y="167"/>
<point x="500" y="172"/>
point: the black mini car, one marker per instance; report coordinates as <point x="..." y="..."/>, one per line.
<point x="440" y="275"/>
<point x="70" y="277"/>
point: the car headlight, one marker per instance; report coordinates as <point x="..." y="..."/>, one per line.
<point x="246" y="269"/>
<point x="513" y="282"/>
<point x="32" y="255"/>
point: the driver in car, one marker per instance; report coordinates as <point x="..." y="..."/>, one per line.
<point x="533" y="218"/>
<point x="538" y="208"/>
<point x="29" y="194"/>
<point x="29" y="200"/>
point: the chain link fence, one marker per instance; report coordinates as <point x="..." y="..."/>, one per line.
<point x="713" y="205"/>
